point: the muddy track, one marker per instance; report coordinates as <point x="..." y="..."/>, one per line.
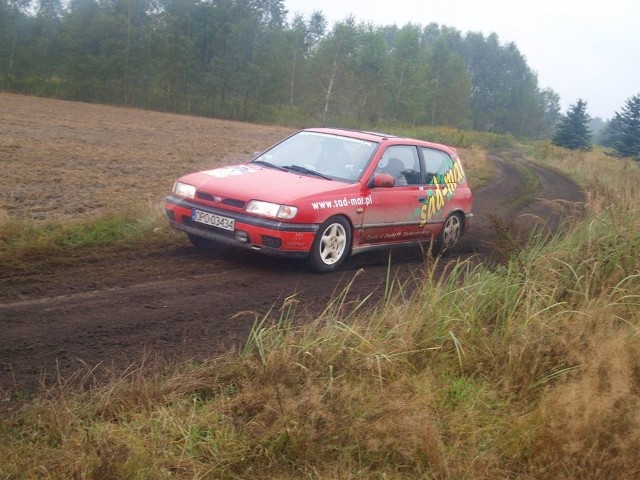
<point x="183" y="304"/>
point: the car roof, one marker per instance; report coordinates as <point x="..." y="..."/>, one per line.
<point x="380" y="137"/>
<point x="372" y="136"/>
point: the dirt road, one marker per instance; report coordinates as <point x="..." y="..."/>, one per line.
<point x="180" y="303"/>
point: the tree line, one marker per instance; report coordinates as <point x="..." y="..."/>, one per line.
<point x="246" y="60"/>
<point x="621" y="134"/>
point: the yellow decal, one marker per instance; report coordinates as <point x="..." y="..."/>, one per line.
<point x="443" y="188"/>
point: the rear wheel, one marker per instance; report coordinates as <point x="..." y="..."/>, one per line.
<point x="450" y="233"/>
<point x="331" y="245"/>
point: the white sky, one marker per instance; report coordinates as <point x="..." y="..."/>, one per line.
<point x="578" y="48"/>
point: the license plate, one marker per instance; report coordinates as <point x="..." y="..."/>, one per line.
<point x="213" y="220"/>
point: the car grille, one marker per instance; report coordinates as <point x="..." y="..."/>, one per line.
<point x="268" y="241"/>
<point x="231" y="202"/>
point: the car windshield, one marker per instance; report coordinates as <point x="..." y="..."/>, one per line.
<point x="319" y="154"/>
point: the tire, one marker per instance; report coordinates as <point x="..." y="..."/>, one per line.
<point x="450" y="234"/>
<point x="331" y="245"/>
<point x="202" y="243"/>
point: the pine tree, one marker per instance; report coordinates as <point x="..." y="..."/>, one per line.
<point x="627" y="134"/>
<point x="573" y="131"/>
<point x="609" y="137"/>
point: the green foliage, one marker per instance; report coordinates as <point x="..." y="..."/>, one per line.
<point x="573" y="131"/>
<point x="505" y="97"/>
<point x="623" y="131"/>
<point x="243" y="60"/>
<point x="450" y="83"/>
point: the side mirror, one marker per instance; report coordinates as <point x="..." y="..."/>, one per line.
<point x="383" y="180"/>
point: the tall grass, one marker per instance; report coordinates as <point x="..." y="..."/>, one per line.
<point x="528" y="369"/>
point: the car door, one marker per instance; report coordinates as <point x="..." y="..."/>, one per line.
<point x="442" y="180"/>
<point x="394" y="213"/>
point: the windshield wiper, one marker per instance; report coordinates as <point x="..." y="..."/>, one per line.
<point x="308" y="171"/>
<point x="270" y="165"/>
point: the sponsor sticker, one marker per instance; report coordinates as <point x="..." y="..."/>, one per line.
<point x="233" y="171"/>
<point x="343" y="202"/>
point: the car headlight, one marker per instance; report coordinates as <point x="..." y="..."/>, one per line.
<point x="184" y="190"/>
<point x="269" y="209"/>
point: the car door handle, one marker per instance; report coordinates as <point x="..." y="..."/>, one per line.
<point x="422" y="199"/>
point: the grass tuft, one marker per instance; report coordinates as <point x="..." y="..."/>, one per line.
<point x="24" y="240"/>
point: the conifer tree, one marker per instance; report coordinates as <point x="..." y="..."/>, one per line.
<point x="611" y="131"/>
<point x="627" y="129"/>
<point x="573" y="131"/>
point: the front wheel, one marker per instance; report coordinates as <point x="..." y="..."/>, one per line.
<point x="450" y="233"/>
<point x="331" y="245"/>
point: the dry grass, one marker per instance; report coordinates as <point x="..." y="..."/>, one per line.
<point x="480" y="170"/>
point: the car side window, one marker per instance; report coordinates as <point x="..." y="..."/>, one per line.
<point x="436" y="164"/>
<point x="402" y="163"/>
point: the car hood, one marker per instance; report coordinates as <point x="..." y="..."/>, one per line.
<point x="253" y="182"/>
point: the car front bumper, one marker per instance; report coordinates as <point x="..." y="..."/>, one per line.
<point x="268" y="236"/>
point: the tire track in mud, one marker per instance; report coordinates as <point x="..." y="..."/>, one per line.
<point x="181" y="304"/>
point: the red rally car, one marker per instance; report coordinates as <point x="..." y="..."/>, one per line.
<point x="323" y="194"/>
